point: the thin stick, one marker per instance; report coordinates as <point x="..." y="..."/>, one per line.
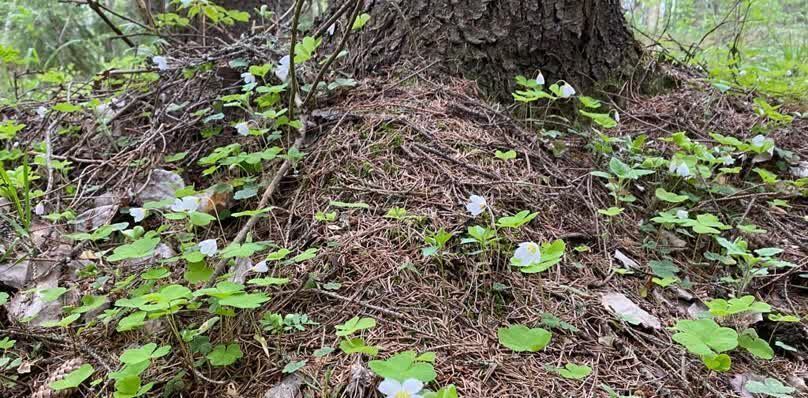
<point x="273" y="185"/>
<point x="95" y="7"/>
<point x="292" y="75"/>
<point x="333" y="56"/>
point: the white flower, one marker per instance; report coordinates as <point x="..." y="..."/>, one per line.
<point x="408" y="389"/>
<point x="682" y="214"/>
<point x="616" y="117"/>
<point x="758" y="140"/>
<point x="679" y="169"/>
<point x="188" y="203"/>
<point x="540" y="79"/>
<point x="567" y="90"/>
<point x="186" y="3"/>
<point x="39" y="209"/>
<point x="137" y="213"/>
<point x="243" y="128"/>
<point x="728" y="160"/>
<point x="527" y="254"/>
<point x="260" y="267"/>
<point x="160" y="61"/>
<point x="41" y="112"/>
<point x="248" y="78"/>
<point x="208" y="247"/>
<point x="282" y="71"/>
<point x="476" y="205"/>
<point x="331" y="29"/>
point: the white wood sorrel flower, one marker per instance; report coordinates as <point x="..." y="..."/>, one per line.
<point x="476" y="205"/>
<point x="566" y="90"/>
<point x="540" y="79"/>
<point x="527" y="254"/>
<point x="137" y="213"/>
<point x="208" y="247"/>
<point x="243" y="128"/>
<point x="410" y="388"/>
<point x="160" y="61"/>
<point x="188" y="203"/>
<point x="248" y="78"/>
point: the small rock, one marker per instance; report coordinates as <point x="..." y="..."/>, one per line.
<point x="289" y="387"/>
<point x="161" y="185"/>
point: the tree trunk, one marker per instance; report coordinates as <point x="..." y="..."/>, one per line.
<point x="581" y="41"/>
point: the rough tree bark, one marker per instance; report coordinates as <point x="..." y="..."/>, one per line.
<point x="581" y="41"/>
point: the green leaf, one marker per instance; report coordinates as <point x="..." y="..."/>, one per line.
<point x="589" y="102"/>
<point x="201" y="219"/>
<point x="551" y="254"/>
<point x="357" y="345"/>
<point x="360" y="21"/>
<point x="721" y="307"/>
<point x="756" y="346"/>
<point x="611" y="212"/>
<point x="241" y="250"/>
<point x="602" y="119"/>
<point x="52" y="294"/>
<point x="224" y="355"/>
<point x="349" y="205"/>
<point x="268" y="281"/>
<point x="309" y="254"/>
<point x="140" y="248"/>
<point x="771" y="387"/>
<point x="704" y="337"/>
<point x="403" y="366"/>
<point x="144" y="353"/>
<point x="509" y="155"/>
<point x="354" y="325"/>
<point x="293" y="367"/>
<point x="669" y="197"/>
<point x="245" y="300"/>
<point x="517" y="220"/>
<point x="572" y="371"/>
<point x="197" y="272"/>
<point x="66" y="107"/>
<point x="520" y="338"/>
<point x="131" y="321"/>
<point x="74" y="378"/>
<point x="4" y="298"/>
<point x="717" y="362"/>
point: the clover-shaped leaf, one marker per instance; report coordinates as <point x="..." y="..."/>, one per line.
<point x="354" y="325"/>
<point x="403" y="366"/>
<point x="771" y="387"/>
<point x="571" y="371"/>
<point x="721" y="307"/>
<point x="74" y="378"/>
<point x="223" y="355"/>
<point x="520" y="338"/>
<point x="704" y="337"/>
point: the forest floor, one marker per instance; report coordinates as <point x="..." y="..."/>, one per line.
<point x="424" y="146"/>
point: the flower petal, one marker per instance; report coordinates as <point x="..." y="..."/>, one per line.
<point x="412" y="386"/>
<point x="389" y="387"/>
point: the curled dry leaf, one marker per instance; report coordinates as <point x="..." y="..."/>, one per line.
<point x="629" y="311"/>
<point x="626" y="260"/>
<point x="94" y="218"/>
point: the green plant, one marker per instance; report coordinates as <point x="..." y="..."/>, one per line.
<point x="521" y="338"/>
<point x="406" y="365"/>
<point x="571" y="371"/>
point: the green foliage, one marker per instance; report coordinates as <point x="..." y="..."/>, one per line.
<point x="721" y="307"/>
<point x="571" y="371"/>
<point x="770" y="387"/>
<point x="406" y="365"/>
<point x="74" y="378"/>
<point x="224" y="355"/>
<point x="520" y="338"/>
<point x="354" y="325"/>
<point x="551" y="254"/>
